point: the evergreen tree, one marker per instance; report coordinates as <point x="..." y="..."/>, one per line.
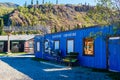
<point x="25" y="5"/>
<point x="1" y="26"/>
<point x="62" y="29"/>
<point x="55" y="29"/>
<point x="85" y="3"/>
<point x="78" y="26"/>
<point x="49" y="2"/>
<point x="56" y="1"/>
<point x="37" y="2"/>
<point x="69" y="27"/>
<point x="31" y="2"/>
<point x="43" y="2"/>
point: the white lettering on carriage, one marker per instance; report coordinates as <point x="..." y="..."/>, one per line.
<point x="69" y="34"/>
<point x="65" y="35"/>
<point x="56" y="36"/>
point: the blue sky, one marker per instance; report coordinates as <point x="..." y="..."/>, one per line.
<point x="21" y="2"/>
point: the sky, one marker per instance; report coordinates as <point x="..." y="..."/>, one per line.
<point x="21" y="2"/>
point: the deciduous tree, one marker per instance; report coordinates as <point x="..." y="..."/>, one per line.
<point x="106" y="11"/>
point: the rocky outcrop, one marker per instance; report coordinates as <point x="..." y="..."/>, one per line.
<point x="66" y="16"/>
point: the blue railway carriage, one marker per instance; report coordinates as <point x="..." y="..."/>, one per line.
<point x="98" y="47"/>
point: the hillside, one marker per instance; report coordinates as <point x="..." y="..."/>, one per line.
<point x="6" y="9"/>
<point x="8" y="5"/>
<point x="60" y="16"/>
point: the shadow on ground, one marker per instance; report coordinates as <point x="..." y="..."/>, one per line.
<point x="44" y="71"/>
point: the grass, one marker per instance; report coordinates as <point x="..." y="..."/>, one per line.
<point x="3" y="54"/>
<point x="18" y="53"/>
<point x="12" y="54"/>
<point x="112" y="75"/>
